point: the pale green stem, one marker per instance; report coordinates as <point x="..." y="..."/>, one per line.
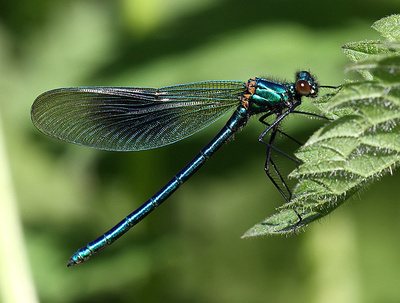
<point x="16" y="284"/>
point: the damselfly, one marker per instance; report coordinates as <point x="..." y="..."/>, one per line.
<point x="132" y="119"/>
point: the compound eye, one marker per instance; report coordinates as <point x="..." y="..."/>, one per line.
<point x="303" y="87"/>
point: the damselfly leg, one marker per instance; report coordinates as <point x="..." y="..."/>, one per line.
<point x="270" y="167"/>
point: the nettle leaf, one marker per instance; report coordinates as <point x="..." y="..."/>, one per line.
<point x="368" y="50"/>
<point x="360" y="145"/>
<point x="385" y="68"/>
<point x="389" y="27"/>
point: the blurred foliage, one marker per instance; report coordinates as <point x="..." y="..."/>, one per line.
<point x="190" y="248"/>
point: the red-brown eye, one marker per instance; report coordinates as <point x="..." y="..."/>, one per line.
<point x="303" y="87"/>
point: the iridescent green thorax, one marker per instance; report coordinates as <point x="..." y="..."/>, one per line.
<point x="263" y="95"/>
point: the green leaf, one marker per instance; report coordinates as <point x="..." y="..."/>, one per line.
<point x="388" y="27"/>
<point x="359" y="146"/>
<point x="385" y="68"/>
<point x="364" y="49"/>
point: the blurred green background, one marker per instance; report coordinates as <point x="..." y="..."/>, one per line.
<point x="188" y="250"/>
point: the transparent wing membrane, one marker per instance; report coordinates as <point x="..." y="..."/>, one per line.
<point x="127" y="119"/>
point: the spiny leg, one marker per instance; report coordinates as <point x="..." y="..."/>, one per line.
<point x="267" y="168"/>
<point x="275" y="128"/>
<point x="262" y="120"/>
<point x="312" y="114"/>
<point x="269" y="163"/>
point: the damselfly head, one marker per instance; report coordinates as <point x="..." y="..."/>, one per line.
<point x="306" y="84"/>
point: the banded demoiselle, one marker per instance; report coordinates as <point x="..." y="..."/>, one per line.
<point x="132" y="119"/>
